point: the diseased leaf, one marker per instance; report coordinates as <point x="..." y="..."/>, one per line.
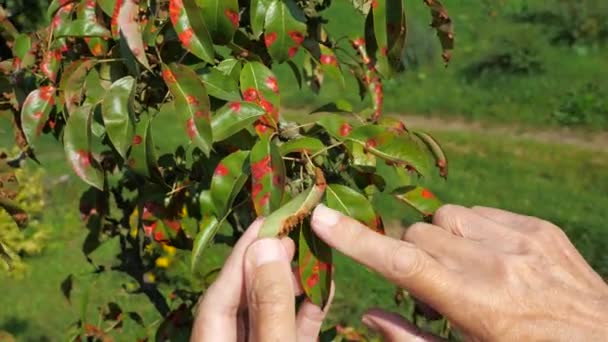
<point x="267" y="177"/>
<point x="396" y="28"/>
<point x="327" y="59"/>
<point x="35" y="112"/>
<point x="314" y="266"/>
<point x="220" y="86"/>
<point x="72" y="82"/>
<point x="284" y="29"/>
<point x="117" y="113"/>
<point x="399" y="149"/>
<point x="354" y="204"/>
<point x="260" y="85"/>
<point x="307" y="145"/>
<point x="142" y="159"/>
<point x="234" y="117"/>
<point x="191" y="103"/>
<point x="191" y="29"/>
<point x="77" y="145"/>
<point x="443" y="24"/>
<point x="130" y="30"/>
<point x="420" y="199"/>
<point x="222" y="18"/>
<point x="82" y="28"/>
<point x="55" y="5"/>
<point x="441" y="160"/>
<point x="228" y="179"/>
<point x="336" y="125"/>
<point x="291" y="214"/>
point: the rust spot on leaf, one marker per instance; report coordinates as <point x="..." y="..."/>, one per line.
<point x="137" y="139"/>
<point x="345" y="129"/>
<point x="273" y="84"/>
<point x="221" y="170"/>
<point x="328" y="60"/>
<point x="270" y="38"/>
<point x="297" y="37"/>
<point x="233" y="17"/>
<point x="250" y="95"/>
<point x="427" y="194"/>
<point x="261" y="168"/>
<point x="235" y="107"/>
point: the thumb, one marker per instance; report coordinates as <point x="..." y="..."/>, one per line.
<point x="395" y="328"/>
<point x="270" y="293"/>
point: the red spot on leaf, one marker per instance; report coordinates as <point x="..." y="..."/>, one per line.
<point x="191" y="99"/>
<point x="159" y="236"/>
<point x="261" y="168"/>
<point x="191" y="129"/>
<point x="261" y="128"/>
<point x="384" y="51"/>
<point x="168" y="76"/>
<point x="277" y="180"/>
<point x="38" y="115"/>
<point x="186" y="37"/>
<point x="270" y="38"/>
<point x="221" y="170"/>
<point x="256" y="188"/>
<point x="313" y="280"/>
<point x="232" y="16"/>
<point x="427" y="194"/>
<point x="297" y="37"/>
<point x="371" y="143"/>
<point x="292" y="51"/>
<point x="174" y="225"/>
<point x="97" y="50"/>
<point x="235" y="107"/>
<point x="267" y="106"/>
<point x="250" y="95"/>
<point x="345" y="129"/>
<point x="359" y="42"/>
<point x="46" y="94"/>
<point x="375" y="4"/>
<point x="175" y="10"/>
<point x="273" y="84"/>
<point x="328" y="60"/>
<point x="264" y="200"/>
<point x="137" y="140"/>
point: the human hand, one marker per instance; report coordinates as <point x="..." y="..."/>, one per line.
<point x="253" y="298"/>
<point x="494" y="274"/>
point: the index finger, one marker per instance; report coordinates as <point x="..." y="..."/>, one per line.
<point x="400" y="262"/>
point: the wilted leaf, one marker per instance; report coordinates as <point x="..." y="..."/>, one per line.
<point x="117" y="112"/>
<point x="443" y="24"/>
<point x="35" y="112"/>
<point x="441" y="160"/>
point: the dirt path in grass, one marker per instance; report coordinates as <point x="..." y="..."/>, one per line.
<point x="597" y="141"/>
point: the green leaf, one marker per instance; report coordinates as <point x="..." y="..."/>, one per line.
<point x="420" y="199"/>
<point x="222" y="19"/>
<point x="130" y="30"/>
<point x="260" y="85"/>
<point x="362" y="160"/>
<point x="327" y="59"/>
<point x="336" y="125"/>
<point x="230" y="67"/>
<point x="117" y="113"/>
<point x="354" y="204"/>
<point x="284" y="29"/>
<point x="228" y="179"/>
<point x="267" y="177"/>
<point x="142" y="159"/>
<point x="234" y="117"/>
<point x="191" y="104"/>
<point x="107" y="6"/>
<point x="187" y="19"/>
<point x="283" y="220"/>
<point x="258" y="10"/>
<point x="377" y="47"/>
<point x="82" y="28"/>
<point x="55" y="5"/>
<point x="395" y="178"/>
<point x="72" y="82"/>
<point x="219" y="85"/>
<point x="77" y="146"/>
<point x="94" y="88"/>
<point x="441" y="160"/>
<point x="398" y="149"/>
<point x="314" y="266"/>
<point x="305" y="144"/>
<point x="397" y="32"/>
<point x="208" y="229"/>
<point x="35" y="112"/>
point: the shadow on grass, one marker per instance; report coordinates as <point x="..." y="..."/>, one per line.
<point x="18" y="326"/>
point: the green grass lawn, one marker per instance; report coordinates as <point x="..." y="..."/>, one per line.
<point x="562" y="184"/>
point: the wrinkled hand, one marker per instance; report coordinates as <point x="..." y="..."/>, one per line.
<point x="495" y="275"/>
<point x="253" y="298"/>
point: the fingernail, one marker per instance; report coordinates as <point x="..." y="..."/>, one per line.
<point x="325" y="217"/>
<point x="267" y="251"/>
<point x="369" y="323"/>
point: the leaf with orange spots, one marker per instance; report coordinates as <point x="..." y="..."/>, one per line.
<point x="402" y="150"/>
<point x="338" y="126"/>
<point x="142" y="158"/>
<point x="284" y="29"/>
<point x="354" y="204"/>
<point x="77" y="146"/>
<point x="191" y="29"/>
<point x="327" y="60"/>
<point x="442" y="23"/>
<point x="421" y="199"/>
<point x="314" y="266"/>
<point x="87" y="11"/>
<point x="35" y="112"/>
<point x="260" y="85"/>
<point x="267" y="177"/>
<point x="72" y="82"/>
<point x="441" y="160"/>
<point x="55" y="6"/>
<point x="228" y="179"/>
<point x="118" y="114"/>
<point x="376" y="37"/>
<point x="282" y="221"/>
<point x="130" y="31"/>
<point x="191" y="104"/>
<point x="222" y="18"/>
<point x="234" y="117"/>
<point x="396" y="28"/>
